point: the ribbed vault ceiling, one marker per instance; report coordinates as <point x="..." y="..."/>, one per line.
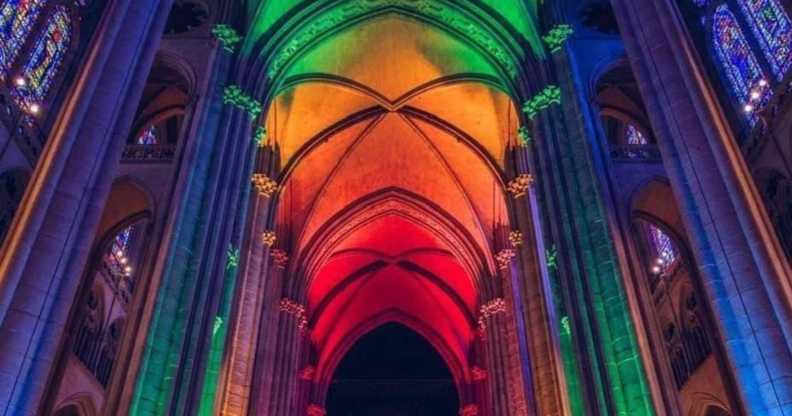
<point x="392" y="137"/>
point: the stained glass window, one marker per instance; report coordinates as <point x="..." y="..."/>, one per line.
<point x="149" y="136"/>
<point x="16" y="20"/>
<point x="771" y="25"/>
<point x="662" y="253"/>
<point x="634" y="136"/>
<point x="739" y="63"/>
<point x="44" y="62"/>
<point x="117" y="255"/>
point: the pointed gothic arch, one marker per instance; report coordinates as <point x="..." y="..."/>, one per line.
<point x="679" y="322"/>
<point x="91" y="351"/>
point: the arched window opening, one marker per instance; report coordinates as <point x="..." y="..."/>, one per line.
<point x="12" y="188"/>
<point x="17" y="18"/>
<point x="623" y="116"/>
<point x="684" y="341"/>
<point x="747" y="80"/>
<point x="42" y="65"/>
<point x="392" y="370"/>
<point x="156" y="143"/>
<point x="661" y="253"/>
<point x="771" y="25"/>
<point x="97" y="340"/>
<point x="149" y="136"/>
<point x="159" y="118"/>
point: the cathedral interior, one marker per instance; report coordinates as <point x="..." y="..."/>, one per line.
<point x="396" y="207"/>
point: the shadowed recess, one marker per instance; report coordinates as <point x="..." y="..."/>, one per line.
<point x="392" y="371"/>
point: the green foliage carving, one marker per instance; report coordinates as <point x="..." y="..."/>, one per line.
<point x="551" y="256"/>
<point x="235" y="96"/>
<point x="218" y="323"/>
<point x="556" y="37"/>
<point x="227" y="36"/>
<point x="566" y="329"/>
<point x="260" y="135"/>
<point x="232" y="258"/>
<point x="548" y="96"/>
<point x="525" y="136"/>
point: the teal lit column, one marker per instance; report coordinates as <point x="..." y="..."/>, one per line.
<point x="602" y="361"/>
<point x="185" y="344"/>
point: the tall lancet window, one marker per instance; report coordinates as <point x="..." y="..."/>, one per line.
<point x="771" y="25"/>
<point x="41" y="67"/>
<point x="738" y="62"/>
<point x="661" y="253"/>
<point x="16" y="21"/>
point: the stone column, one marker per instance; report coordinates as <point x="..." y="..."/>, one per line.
<point x="278" y="360"/>
<point x="741" y="264"/>
<point x="174" y="375"/>
<point x="534" y="302"/>
<point x="255" y="279"/>
<point x="603" y="363"/>
<point x="501" y="355"/>
<point x="47" y="249"/>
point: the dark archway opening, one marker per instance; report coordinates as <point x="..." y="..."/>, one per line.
<point x="392" y="371"/>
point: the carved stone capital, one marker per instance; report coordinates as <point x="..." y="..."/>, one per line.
<point x="519" y="186"/>
<point x="264" y="185"/>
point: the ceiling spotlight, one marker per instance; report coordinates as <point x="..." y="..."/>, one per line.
<point x="656" y="269"/>
<point x="748" y="108"/>
<point x="34" y="108"/>
<point x="762" y="82"/>
<point x="124" y="260"/>
<point x="128" y="269"/>
<point x="20" y="82"/>
<point x="754" y="95"/>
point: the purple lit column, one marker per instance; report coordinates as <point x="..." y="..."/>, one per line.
<point x="47" y="250"/>
<point x="742" y="267"/>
